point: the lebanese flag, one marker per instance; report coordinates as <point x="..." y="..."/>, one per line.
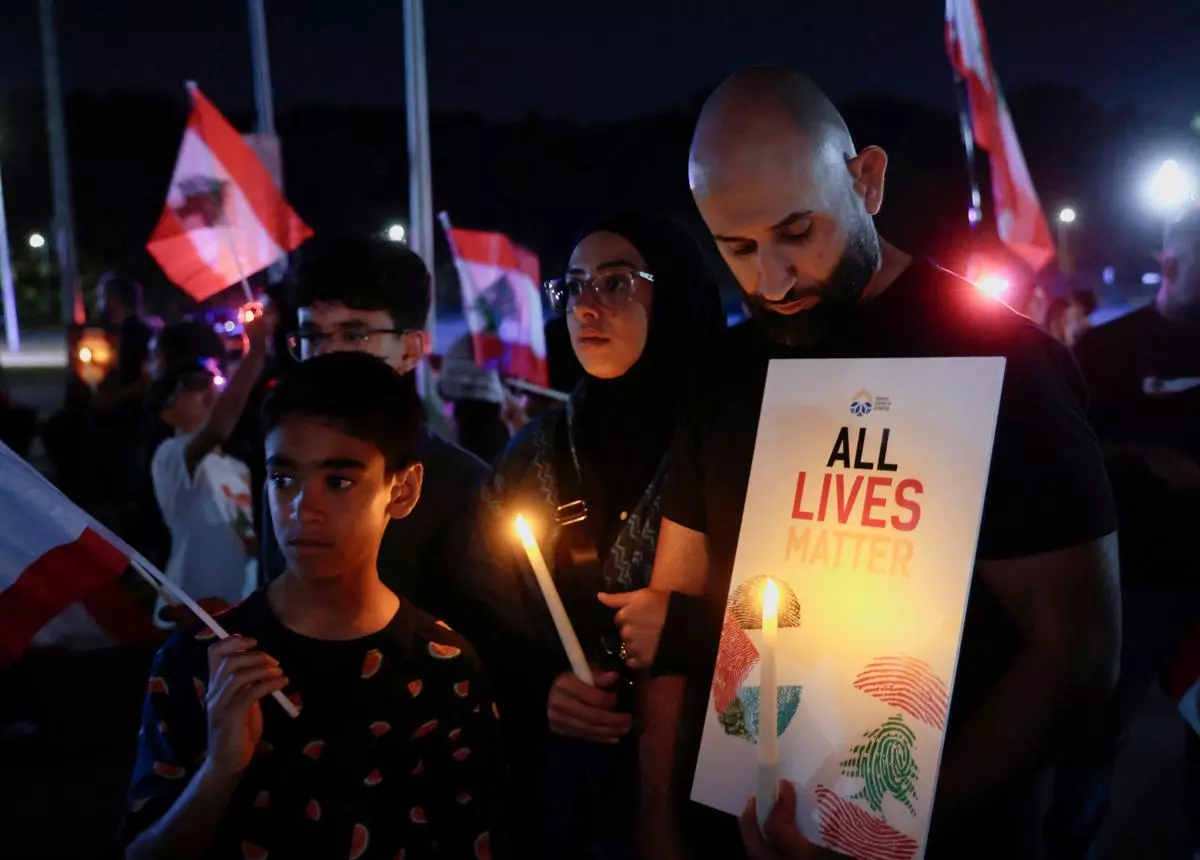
<point x="502" y="300"/>
<point x="1183" y="679"/>
<point x="225" y="218"/>
<point x="60" y="571"/>
<point x="1020" y="222"/>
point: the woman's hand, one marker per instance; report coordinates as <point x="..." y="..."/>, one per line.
<point x="579" y="710"/>
<point x="640" y="618"/>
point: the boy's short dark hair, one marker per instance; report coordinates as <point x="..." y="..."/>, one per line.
<point x="359" y="394"/>
<point x="364" y="273"/>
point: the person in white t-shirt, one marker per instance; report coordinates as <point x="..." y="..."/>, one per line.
<point x="204" y="494"/>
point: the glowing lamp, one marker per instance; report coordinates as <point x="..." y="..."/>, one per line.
<point x="396" y="233"/>
<point x="94" y="356"/>
<point x="994" y="285"/>
<point x="249" y="312"/>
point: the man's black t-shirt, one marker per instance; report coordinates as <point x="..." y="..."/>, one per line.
<point x="1047" y="487"/>
<point x="1143" y="376"/>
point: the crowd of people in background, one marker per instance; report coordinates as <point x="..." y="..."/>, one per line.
<point x="368" y="569"/>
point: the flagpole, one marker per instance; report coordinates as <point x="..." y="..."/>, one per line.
<point x="64" y="226"/>
<point x="420" y="202"/>
<point x="975" y="211"/>
<point x="264" y="102"/>
<point x="12" y="332"/>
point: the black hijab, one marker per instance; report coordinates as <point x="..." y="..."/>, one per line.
<point x="625" y="425"/>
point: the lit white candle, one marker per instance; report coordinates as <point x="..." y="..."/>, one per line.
<point x="768" y="704"/>
<point x="566" y="632"/>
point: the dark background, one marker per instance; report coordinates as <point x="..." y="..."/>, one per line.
<point x="545" y="114"/>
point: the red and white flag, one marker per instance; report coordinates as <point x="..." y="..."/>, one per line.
<point x="502" y="300"/>
<point x="225" y="218"/>
<point x="59" y="571"/>
<point x="1020" y="221"/>
<point x="1183" y="679"/>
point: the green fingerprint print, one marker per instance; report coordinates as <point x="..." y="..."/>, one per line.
<point x="885" y="764"/>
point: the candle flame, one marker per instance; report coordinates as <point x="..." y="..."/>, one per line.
<point x="770" y="599"/>
<point x="524" y="531"/>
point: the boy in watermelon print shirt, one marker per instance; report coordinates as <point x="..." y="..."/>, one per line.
<point x="396" y="750"/>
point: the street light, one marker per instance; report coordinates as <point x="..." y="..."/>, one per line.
<point x="37" y="240"/>
<point x="1066" y="215"/>
<point x="1170" y="187"/>
<point x="396" y="233"/>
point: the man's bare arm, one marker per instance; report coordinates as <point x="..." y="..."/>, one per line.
<point x="1067" y="606"/>
<point x="681" y="564"/>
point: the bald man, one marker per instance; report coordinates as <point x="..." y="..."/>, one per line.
<point x="790" y="203"/>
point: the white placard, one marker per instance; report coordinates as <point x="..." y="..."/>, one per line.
<point x="863" y="505"/>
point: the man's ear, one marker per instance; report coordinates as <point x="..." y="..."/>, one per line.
<point x="869" y="169"/>
<point x="406" y="491"/>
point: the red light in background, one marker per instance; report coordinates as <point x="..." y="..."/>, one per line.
<point x="994" y="285"/>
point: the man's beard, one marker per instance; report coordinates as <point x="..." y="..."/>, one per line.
<point x="840" y="294"/>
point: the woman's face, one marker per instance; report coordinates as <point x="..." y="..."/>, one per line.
<point x="608" y="337"/>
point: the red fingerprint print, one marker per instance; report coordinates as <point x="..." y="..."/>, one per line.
<point x="199" y="687"/>
<point x="262" y="800"/>
<point x="462" y="688"/>
<point x="371" y="663"/>
<point x="359" y="842"/>
<point x="296" y="699"/>
<point x="454" y="735"/>
<point x="854" y="831"/>
<point x="417" y="815"/>
<point x="483" y="846"/>
<point x="205" y="635"/>
<point x="461" y="754"/>
<point x="169" y="771"/>
<point x="250" y="851"/>
<point x="158" y="685"/>
<point x="463" y="798"/>
<point x="425" y="729"/>
<point x="373" y="779"/>
<point x="380" y="727"/>
<point x="908" y="684"/>
<point x="312" y="811"/>
<point x="313" y="749"/>
<point x="737" y="656"/>
<point x="414" y="688"/>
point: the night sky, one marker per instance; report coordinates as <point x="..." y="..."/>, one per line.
<point x="600" y="61"/>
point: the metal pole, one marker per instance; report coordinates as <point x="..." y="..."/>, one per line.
<point x="64" y="224"/>
<point x="975" y="212"/>
<point x="12" y="333"/>
<point x="420" y="202"/>
<point x="264" y="101"/>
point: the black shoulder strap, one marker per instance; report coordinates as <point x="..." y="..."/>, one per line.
<point x="578" y="527"/>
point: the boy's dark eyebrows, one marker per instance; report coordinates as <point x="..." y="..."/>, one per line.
<point x="278" y="460"/>
<point x="342" y="463"/>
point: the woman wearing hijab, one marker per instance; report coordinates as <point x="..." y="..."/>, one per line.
<point x="640" y="307"/>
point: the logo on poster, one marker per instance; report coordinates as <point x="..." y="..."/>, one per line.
<point x="864" y="403"/>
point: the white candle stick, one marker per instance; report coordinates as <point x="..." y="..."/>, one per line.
<point x="768" y="704"/>
<point x="562" y="623"/>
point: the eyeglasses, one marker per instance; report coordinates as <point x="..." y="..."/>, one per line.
<point x="610" y="289"/>
<point x="306" y="344"/>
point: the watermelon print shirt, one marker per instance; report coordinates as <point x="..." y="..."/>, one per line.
<point x="395" y="754"/>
